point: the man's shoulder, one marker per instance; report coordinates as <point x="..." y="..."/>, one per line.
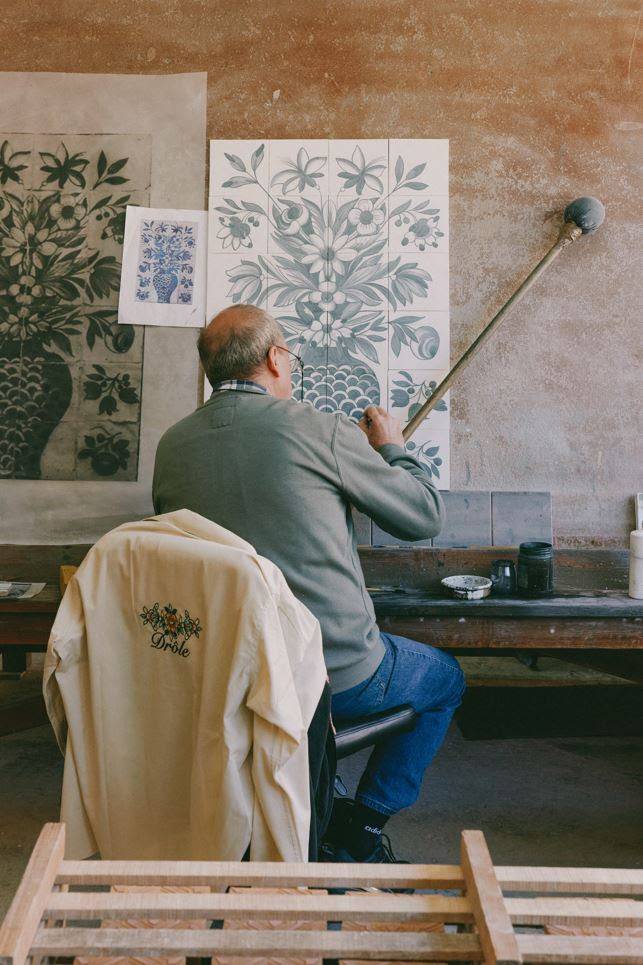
<point x="181" y="428"/>
<point x="304" y="419"/>
<point x="297" y="418"/>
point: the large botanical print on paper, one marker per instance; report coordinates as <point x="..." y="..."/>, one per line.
<point x="346" y="244"/>
<point x="70" y="377"/>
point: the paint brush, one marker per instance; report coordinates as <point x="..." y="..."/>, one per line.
<point x="581" y="217"/>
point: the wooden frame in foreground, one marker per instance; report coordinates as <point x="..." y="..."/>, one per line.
<point x="43" y="920"/>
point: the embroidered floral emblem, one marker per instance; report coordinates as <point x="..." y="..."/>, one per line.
<point x="170" y="630"/>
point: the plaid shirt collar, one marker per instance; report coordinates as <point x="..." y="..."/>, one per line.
<point x="239" y="385"/>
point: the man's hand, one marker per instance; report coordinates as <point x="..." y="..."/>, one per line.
<point x="380" y="428"/>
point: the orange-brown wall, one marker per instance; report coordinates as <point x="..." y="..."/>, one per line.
<point x="540" y="101"/>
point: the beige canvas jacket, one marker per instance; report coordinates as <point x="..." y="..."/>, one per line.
<point x="181" y="677"/>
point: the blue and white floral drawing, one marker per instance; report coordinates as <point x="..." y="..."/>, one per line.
<point x="166" y="261"/>
<point x="345" y="298"/>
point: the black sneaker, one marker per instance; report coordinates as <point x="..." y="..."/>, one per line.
<point x="382" y="853"/>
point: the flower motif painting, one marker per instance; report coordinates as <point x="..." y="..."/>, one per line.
<point x="166" y="256"/>
<point x="163" y="277"/>
<point x="62" y="216"/>
<point x="346" y="244"/>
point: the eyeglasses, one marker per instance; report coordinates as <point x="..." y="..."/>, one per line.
<point x="296" y="365"/>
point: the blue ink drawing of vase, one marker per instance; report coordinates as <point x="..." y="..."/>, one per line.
<point x="166" y="262"/>
<point x="164" y="282"/>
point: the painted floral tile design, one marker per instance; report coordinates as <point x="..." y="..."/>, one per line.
<point x="69" y="375"/>
<point x="345" y="243"/>
<point x="166" y="259"/>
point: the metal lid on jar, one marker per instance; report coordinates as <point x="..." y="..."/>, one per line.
<point x="536" y="550"/>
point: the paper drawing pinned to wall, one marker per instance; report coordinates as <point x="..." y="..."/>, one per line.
<point x="166" y="262"/>
<point x="163" y="279"/>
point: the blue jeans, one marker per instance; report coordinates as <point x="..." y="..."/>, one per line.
<point x="410" y="673"/>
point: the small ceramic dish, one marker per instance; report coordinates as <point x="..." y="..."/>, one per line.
<point x="468" y="587"/>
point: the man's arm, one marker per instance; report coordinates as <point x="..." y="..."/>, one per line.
<point x="382" y="480"/>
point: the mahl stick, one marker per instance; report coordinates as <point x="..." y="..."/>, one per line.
<point x="581" y="217"/>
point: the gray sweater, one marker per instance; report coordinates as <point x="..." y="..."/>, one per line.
<point x="283" y="476"/>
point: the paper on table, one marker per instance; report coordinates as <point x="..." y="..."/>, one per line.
<point x="19" y="591"/>
<point x="163" y="273"/>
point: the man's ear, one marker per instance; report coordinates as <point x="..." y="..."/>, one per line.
<point x="272" y="360"/>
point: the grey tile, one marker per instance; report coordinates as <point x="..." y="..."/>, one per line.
<point x="362" y="526"/>
<point x="520" y="516"/>
<point x="467" y="523"/>
<point x="467" y="520"/>
<point x="380" y="538"/>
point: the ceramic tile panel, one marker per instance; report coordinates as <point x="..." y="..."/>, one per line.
<point x="418" y="280"/>
<point x="382" y="538"/>
<point x="485" y="519"/>
<point x="467" y="519"/>
<point x="467" y="522"/>
<point x="358" y="169"/>
<point x="431" y="448"/>
<point x="418" y="339"/>
<point x="518" y="517"/>
<point x="237" y="227"/>
<point x="409" y="389"/>
<point x="345" y="242"/>
<point x="419" y="165"/>
<point x="236" y="176"/>
<point x="298" y="169"/>
<point x="419" y="224"/>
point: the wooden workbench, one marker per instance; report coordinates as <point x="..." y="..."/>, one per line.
<point x="590" y="621"/>
<point x="590" y="610"/>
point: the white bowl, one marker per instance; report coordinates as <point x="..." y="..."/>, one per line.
<point x="468" y="587"/>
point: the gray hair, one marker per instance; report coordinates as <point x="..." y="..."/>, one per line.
<point x="236" y="342"/>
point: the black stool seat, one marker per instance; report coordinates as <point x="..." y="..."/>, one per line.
<point x="364" y="731"/>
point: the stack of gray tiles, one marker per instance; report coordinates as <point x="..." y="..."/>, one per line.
<point x="476" y="519"/>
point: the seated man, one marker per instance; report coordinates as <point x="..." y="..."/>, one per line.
<point x="284" y="476"/>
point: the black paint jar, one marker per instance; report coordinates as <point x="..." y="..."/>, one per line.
<point x="536" y="569"/>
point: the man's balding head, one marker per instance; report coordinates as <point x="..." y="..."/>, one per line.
<point x="236" y="344"/>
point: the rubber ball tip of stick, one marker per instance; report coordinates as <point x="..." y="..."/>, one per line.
<point x="587" y="213"/>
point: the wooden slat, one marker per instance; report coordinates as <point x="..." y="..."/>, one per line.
<point x="477" y="632"/>
<point x="41" y="561"/>
<point x="26" y="910"/>
<point x="626" y="912"/>
<point x="407" y="946"/>
<point x="260" y="874"/>
<point x="587" y="950"/>
<point x="425" y="603"/>
<point x="604" y="881"/>
<point x="492" y="920"/>
<point x="66" y="573"/>
<point x="365" y="907"/>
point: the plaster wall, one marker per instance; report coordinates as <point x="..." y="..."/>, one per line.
<point x="539" y="99"/>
